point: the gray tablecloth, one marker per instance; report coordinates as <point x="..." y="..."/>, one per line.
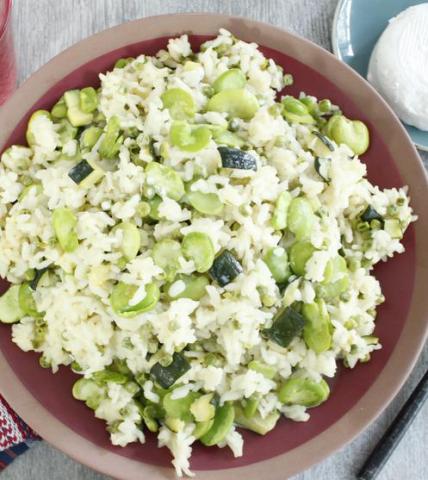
<point x="45" y="27"/>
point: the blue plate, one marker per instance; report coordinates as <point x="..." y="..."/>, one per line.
<point x="356" y="27"/>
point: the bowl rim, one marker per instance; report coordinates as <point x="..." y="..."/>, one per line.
<point x="412" y="338"/>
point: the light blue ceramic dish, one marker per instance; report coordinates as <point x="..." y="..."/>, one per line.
<point x="356" y="27"/>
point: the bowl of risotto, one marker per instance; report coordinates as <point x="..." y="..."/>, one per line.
<point x="211" y="240"/>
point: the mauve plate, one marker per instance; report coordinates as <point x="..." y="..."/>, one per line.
<point x="359" y="395"/>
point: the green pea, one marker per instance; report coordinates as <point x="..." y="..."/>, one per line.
<point x="194" y="287"/>
<point x="301" y="218"/>
<point x="260" y="367"/>
<point x="131" y="239"/>
<point x="206" y="203"/>
<point x="231" y="79"/>
<point x="110" y="144"/>
<point x="197" y="246"/>
<point x="26" y="301"/>
<point x="280" y="214"/>
<point x="277" y="261"/>
<point x="300" y="253"/>
<point x="88" y="99"/>
<point x="123" y="293"/>
<point x="352" y="133"/>
<point x="64" y="223"/>
<point x="180" y="103"/>
<point x="223" y="422"/>
<point x="303" y="391"/>
<point x="189" y="138"/>
<point x="236" y="102"/>
<point x="317" y="330"/>
<point x="166" y="254"/>
<point x="296" y="111"/>
<point x="164" y="180"/>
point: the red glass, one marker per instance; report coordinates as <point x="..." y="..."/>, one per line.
<point x="7" y="53"/>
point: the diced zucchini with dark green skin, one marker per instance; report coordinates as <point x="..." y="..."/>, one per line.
<point x="80" y="171"/>
<point x="256" y="423"/>
<point x="85" y="174"/>
<point x="225" y="268"/>
<point x="167" y="376"/>
<point x="370" y="214"/>
<point x="237" y="158"/>
<point x="10" y="310"/>
<point x="37" y="277"/>
<point x="322" y="166"/>
<point x="223" y="422"/>
<point x="324" y="140"/>
<point x="287" y="324"/>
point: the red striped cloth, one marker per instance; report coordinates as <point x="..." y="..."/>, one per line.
<point x="14" y="434"/>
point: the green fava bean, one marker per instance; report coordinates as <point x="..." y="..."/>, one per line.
<point x="300" y="253"/>
<point x="256" y="423"/>
<point x="131" y="239"/>
<point x="260" y="367"/>
<point x="317" y="330"/>
<point x="123" y="293"/>
<point x="166" y="254"/>
<point x="164" y="180"/>
<point x="303" y="391"/>
<point x="110" y="144"/>
<point x="250" y="406"/>
<point x="229" y="139"/>
<point x="180" y="103"/>
<point x="64" y="224"/>
<point x="30" y="136"/>
<point x="88" y="99"/>
<point x="189" y="138"/>
<point x="193" y="287"/>
<point x="223" y="422"/>
<point x="296" y="111"/>
<point x="280" y="214"/>
<point x="201" y="428"/>
<point x="231" y="79"/>
<point x="301" y="218"/>
<point x="336" y="279"/>
<point x="197" y="246"/>
<point x="179" y="407"/>
<point x="26" y="301"/>
<point x="352" y="133"/>
<point x="59" y="110"/>
<point x="206" y="203"/>
<point x="90" y="136"/>
<point x="277" y="261"/>
<point x="10" y="309"/>
<point x="236" y="102"/>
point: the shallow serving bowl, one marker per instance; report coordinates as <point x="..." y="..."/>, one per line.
<point x="359" y="395"/>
